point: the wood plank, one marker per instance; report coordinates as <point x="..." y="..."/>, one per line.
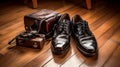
<point x="1" y="55"/>
<point x="41" y="59"/>
<point x="102" y="20"/>
<point x="20" y="56"/>
<point x="117" y="37"/>
<point x="75" y="60"/>
<point x="114" y="60"/>
<point x="10" y="36"/>
<point x="107" y="35"/>
<point x="104" y="27"/>
<point x="96" y="9"/>
<point x="13" y="16"/>
<point x="95" y="14"/>
<point x="64" y="8"/>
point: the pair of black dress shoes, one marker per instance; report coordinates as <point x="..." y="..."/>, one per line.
<point x="79" y="29"/>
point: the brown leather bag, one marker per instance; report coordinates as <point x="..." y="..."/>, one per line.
<point x="43" y="21"/>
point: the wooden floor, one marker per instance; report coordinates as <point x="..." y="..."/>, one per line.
<point x="104" y="22"/>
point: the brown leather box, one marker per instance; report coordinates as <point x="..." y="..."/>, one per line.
<point x="42" y="21"/>
<point x="34" y="42"/>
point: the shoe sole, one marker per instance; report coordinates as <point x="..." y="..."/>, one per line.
<point x="62" y="52"/>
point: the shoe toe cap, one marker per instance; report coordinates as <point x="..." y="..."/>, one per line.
<point x="59" y="45"/>
<point x="89" y="47"/>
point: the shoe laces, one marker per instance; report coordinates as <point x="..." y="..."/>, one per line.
<point x="63" y="27"/>
<point x="83" y="29"/>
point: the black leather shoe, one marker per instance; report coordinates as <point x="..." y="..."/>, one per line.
<point x="86" y="42"/>
<point x="61" y="37"/>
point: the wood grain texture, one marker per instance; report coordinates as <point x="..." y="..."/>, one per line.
<point x="112" y="60"/>
<point x="103" y="21"/>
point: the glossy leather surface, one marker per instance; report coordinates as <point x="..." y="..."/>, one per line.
<point x="86" y="42"/>
<point x="61" y="37"/>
